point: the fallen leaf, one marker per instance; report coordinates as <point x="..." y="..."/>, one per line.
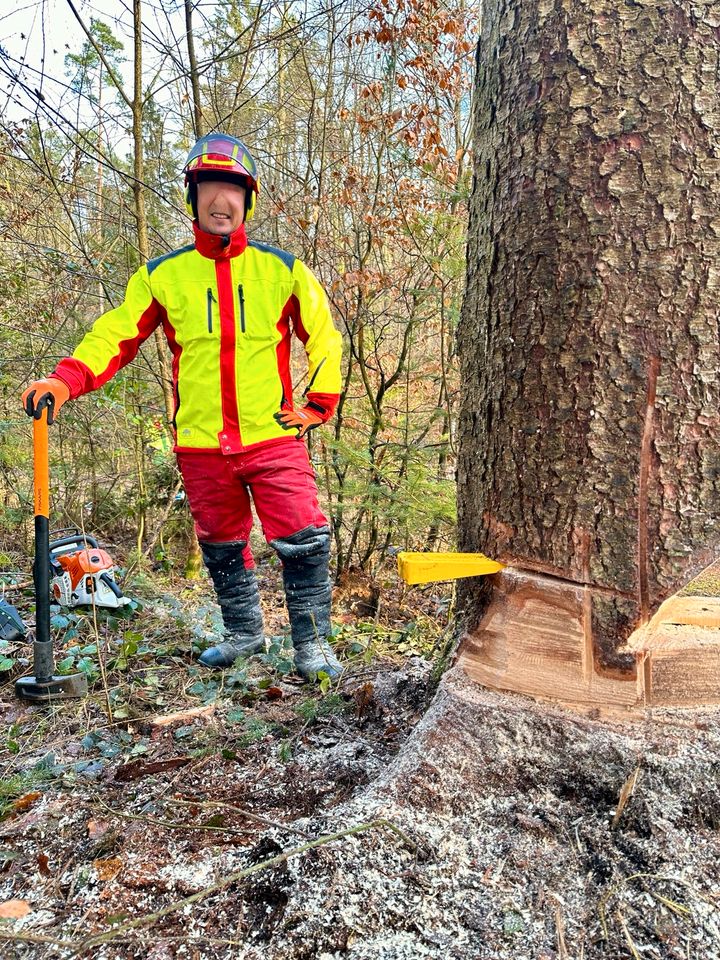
<point x="216" y="820"/>
<point x="363" y="698"/>
<point x="274" y="693"/>
<point x="97" y="829"/>
<point x="24" y="803"/>
<point x="43" y="865"/>
<point x="14" y="909"/>
<point x="108" y="868"/>
<point x="22" y="824"/>
<point x="141" y="768"/>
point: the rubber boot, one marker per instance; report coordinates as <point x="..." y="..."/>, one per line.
<point x="305" y="556"/>
<point x="239" y="599"/>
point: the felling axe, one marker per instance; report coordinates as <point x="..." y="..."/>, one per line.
<point x="45" y="685"/>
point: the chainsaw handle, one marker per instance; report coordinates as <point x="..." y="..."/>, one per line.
<point x="75" y="538"/>
<point x="111" y="585"/>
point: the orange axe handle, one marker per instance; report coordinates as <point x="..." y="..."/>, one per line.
<point x="41" y="466"/>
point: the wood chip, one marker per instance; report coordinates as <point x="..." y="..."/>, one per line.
<point x="14" y="909"/>
<point x="183" y="716"/>
<point x="625" y="793"/>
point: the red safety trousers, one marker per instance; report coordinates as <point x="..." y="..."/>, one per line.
<point x="277" y="476"/>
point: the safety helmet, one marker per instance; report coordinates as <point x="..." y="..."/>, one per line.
<point x="219" y="156"/>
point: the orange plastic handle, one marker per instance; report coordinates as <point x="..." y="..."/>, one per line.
<point x="41" y="465"/>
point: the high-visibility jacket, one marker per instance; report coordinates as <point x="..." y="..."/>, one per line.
<point x="228" y="308"/>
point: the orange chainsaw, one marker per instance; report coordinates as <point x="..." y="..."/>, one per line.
<point x="81" y="573"/>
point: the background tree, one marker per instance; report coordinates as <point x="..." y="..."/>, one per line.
<point x="360" y="122"/>
<point x="589" y="432"/>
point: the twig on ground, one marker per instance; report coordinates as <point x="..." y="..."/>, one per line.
<point x="231" y="878"/>
<point x="676" y="908"/>
<point x="276" y="824"/>
<point x="35" y="938"/>
<point x="170" y="824"/>
<point x="628" y="939"/>
<point x="560" y="930"/>
<point x="101" y="662"/>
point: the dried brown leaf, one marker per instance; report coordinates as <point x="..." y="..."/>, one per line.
<point x="363" y="698"/>
<point x="24" y="803"/>
<point x="108" y="868"/>
<point x="141" y="768"/>
<point x="97" y="829"/>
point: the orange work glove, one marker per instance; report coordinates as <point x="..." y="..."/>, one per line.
<point x="304" y="419"/>
<point x="51" y="393"/>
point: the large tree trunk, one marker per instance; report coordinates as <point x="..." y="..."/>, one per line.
<point x="589" y="337"/>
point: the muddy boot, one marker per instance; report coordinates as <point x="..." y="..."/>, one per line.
<point x="239" y="600"/>
<point x="305" y="557"/>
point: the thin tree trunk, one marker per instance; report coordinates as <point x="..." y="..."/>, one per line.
<point x="194" y="78"/>
<point x="100" y="184"/>
<point x="139" y="196"/>
<point x="589" y="337"/>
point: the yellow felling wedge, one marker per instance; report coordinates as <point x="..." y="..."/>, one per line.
<point x="429" y="567"/>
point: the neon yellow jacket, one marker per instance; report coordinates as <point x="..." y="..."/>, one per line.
<point x="228" y="309"/>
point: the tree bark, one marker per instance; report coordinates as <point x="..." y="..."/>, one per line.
<point x="589" y="335"/>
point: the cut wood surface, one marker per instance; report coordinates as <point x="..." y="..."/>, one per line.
<point x="536" y="639"/>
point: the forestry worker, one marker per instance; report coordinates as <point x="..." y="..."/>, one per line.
<point x="228" y="307"/>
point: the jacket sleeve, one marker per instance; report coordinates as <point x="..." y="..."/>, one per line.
<point x="114" y="339"/>
<point x="322" y="342"/>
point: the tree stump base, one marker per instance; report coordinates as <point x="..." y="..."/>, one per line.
<point x="535" y="639"/>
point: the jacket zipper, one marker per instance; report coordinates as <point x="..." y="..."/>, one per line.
<point x="308" y="388"/>
<point x="210" y="300"/>
<point x="241" y="298"/>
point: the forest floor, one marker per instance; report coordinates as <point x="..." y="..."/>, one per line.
<point x="182" y="813"/>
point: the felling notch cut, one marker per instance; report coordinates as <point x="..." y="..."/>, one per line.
<point x="429" y="567"/>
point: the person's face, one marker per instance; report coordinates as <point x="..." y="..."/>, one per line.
<point x="220" y="206"/>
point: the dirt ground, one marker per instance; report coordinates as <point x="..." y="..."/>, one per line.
<point x="474" y="824"/>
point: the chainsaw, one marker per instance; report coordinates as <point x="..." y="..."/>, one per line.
<point x="81" y="573"/>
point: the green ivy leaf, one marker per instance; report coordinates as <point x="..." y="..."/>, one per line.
<point x="66" y="664"/>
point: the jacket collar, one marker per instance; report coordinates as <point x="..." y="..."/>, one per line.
<point x="219" y="248"/>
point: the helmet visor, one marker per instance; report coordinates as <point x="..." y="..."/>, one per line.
<point x="220" y="153"/>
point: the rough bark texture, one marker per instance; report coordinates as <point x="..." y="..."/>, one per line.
<point x="593" y="279"/>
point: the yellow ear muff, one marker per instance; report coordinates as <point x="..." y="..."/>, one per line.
<point x="250" y="210"/>
<point x="188" y="201"/>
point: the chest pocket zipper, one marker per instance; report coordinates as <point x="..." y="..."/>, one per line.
<point x="210" y="300"/>
<point x="241" y="299"/>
